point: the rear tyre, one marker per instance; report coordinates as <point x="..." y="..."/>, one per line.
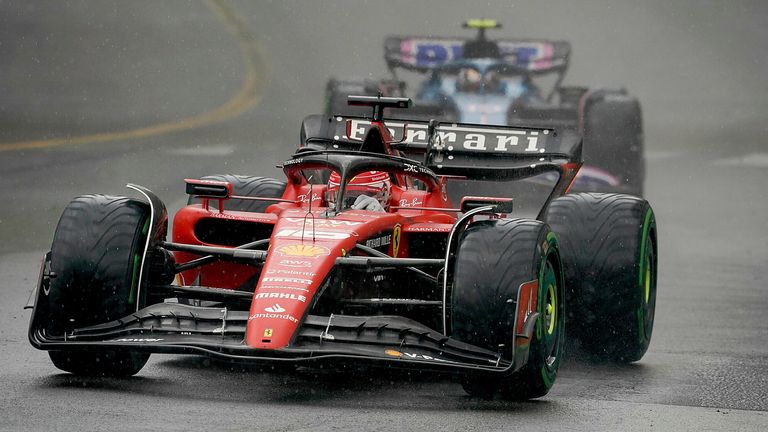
<point x="493" y="259"/>
<point x="613" y="138"/>
<point x="96" y="255"/>
<point x="609" y="251"/>
<point x="248" y="186"/>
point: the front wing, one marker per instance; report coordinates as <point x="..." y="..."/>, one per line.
<point x="220" y="332"/>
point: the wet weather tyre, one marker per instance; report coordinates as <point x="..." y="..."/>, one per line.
<point x="493" y="259"/>
<point x="609" y="251"/>
<point x="248" y="186"/>
<point x="96" y="256"/>
<point x="613" y="138"/>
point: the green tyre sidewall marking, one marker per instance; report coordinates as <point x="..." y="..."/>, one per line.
<point x="644" y="284"/>
<point x="549" y="373"/>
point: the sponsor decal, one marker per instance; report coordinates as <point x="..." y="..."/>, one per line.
<point x="311" y="233"/>
<point x="273" y="316"/>
<point x="415" y="202"/>
<point x="429" y="229"/>
<point x="288" y="296"/>
<point x="268" y="332"/>
<point x="413" y="356"/>
<point x="393" y="353"/>
<point x="275" y="308"/>
<point x="137" y="340"/>
<point x="227" y="216"/>
<point x="361" y="215"/>
<point x="379" y="241"/>
<point x="396" y="239"/>
<point x="468" y="138"/>
<point x="295" y="263"/>
<point x="300" y="250"/>
<point x="287" y="280"/>
<point x="432" y="52"/>
<point x="324" y="223"/>
<point x="249" y="218"/>
<point x="411" y="168"/>
<point x="292" y="272"/>
<point x="293" y="161"/>
<point x="281" y="287"/>
<point x="305" y="197"/>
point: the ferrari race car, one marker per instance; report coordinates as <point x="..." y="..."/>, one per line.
<point x="502" y="82"/>
<point x="296" y="272"/>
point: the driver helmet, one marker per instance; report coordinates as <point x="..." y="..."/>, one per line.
<point x="469" y="80"/>
<point x="492" y="81"/>
<point x="374" y="184"/>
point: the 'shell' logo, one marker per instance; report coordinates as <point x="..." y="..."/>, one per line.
<point x="300" y="250"/>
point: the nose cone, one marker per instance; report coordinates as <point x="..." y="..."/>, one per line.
<point x="293" y="272"/>
<point x="302" y="252"/>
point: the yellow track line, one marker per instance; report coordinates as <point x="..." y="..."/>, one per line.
<point x="249" y="94"/>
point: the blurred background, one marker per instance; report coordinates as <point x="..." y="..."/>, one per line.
<point x="94" y="95"/>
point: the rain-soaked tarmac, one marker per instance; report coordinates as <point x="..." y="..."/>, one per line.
<point x="97" y="94"/>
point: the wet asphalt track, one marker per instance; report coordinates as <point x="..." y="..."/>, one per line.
<point x="182" y="89"/>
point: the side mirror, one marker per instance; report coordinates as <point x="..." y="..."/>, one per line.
<point x="500" y="205"/>
<point x="209" y="189"/>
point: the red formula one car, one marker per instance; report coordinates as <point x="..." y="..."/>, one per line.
<point x="360" y="257"/>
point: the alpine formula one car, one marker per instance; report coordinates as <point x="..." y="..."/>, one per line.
<point x="479" y="80"/>
<point x="359" y="256"/>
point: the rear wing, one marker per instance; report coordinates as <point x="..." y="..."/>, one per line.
<point x="479" y="152"/>
<point x="422" y="54"/>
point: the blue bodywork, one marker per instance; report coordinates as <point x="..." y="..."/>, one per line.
<point x="486" y="101"/>
<point x="479" y="79"/>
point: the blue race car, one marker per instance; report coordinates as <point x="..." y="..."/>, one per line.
<point x="500" y="82"/>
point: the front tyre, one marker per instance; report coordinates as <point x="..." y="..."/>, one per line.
<point x="493" y="260"/>
<point x="96" y="255"/>
<point x="610" y="255"/>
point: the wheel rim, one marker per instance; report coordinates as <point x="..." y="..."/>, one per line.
<point x="647" y="278"/>
<point x="550" y="311"/>
<point x="647" y="286"/>
<point x="550" y="318"/>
